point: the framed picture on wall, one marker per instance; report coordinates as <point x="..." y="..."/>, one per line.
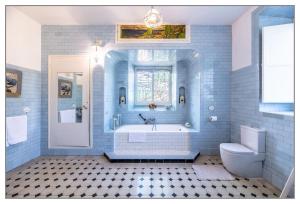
<point x="139" y="33"/>
<point x="64" y="88"/>
<point x="13" y="84"/>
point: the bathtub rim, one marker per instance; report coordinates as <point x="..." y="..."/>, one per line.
<point x="184" y="129"/>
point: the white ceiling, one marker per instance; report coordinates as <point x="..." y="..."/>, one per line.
<point x="109" y="15"/>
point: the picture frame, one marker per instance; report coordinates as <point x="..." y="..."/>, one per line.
<point x="139" y="33"/>
<point x="64" y="88"/>
<point x="13" y="83"/>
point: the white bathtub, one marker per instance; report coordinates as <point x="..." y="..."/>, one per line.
<point x="167" y="139"/>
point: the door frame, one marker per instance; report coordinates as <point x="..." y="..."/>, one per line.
<point x="90" y="103"/>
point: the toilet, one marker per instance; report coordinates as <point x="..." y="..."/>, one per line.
<point x="245" y="159"/>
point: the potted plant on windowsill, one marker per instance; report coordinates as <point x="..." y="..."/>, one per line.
<point x="152" y="106"/>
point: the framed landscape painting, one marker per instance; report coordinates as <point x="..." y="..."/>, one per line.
<point x="13" y="83"/>
<point x="139" y="33"/>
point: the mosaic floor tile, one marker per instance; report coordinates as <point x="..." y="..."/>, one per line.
<point x="95" y="177"/>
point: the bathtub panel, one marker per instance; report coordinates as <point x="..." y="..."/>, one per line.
<point x="166" y="138"/>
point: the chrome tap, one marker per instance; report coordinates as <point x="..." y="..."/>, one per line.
<point x="149" y="121"/>
<point x="143" y="118"/>
<point x="153" y="122"/>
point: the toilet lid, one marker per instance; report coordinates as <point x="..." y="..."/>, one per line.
<point x="236" y="148"/>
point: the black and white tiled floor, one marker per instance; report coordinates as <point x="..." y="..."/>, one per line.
<point x="95" y="177"/>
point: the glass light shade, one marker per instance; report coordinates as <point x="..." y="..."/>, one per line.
<point x="153" y="18"/>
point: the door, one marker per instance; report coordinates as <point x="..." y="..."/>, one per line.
<point x="68" y="102"/>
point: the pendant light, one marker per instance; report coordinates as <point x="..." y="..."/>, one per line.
<point x="153" y="18"/>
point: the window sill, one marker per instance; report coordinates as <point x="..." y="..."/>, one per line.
<point x="284" y="113"/>
<point x="279" y="109"/>
<point x="147" y="109"/>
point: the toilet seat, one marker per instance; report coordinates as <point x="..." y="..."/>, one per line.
<point x="236" y="148"/>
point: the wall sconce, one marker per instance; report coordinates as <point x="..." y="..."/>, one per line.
<point x="97" y="52"/>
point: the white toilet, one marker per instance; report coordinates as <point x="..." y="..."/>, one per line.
<point x="245" y="159"/>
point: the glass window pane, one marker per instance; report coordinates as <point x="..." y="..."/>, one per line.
<point x="143" y="87"/>
<point x="277" y="64"/>
<point x="161" y="86"/>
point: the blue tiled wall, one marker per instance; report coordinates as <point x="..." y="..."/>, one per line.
<point x="214" y="46"/>
<point x="193" y="92"/>
<point x="31" y="97"/>
<point x="279" y="11"/>
<point x="109" y="92"/>
<point x="245" y="101"/>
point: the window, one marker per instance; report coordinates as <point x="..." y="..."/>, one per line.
<point x="153" y="84"/>
<point x="278" y="64"/>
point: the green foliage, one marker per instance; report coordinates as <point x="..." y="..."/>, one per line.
<point x="174" y="31"/>
<point x="148" y="33"/>
<point x="181" y="35"/>
<point x="168" y="31"/>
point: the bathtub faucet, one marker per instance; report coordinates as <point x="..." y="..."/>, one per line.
<point x="143" y="118"/>
<point x="153" y="122"/>
<point x="149" y="121"/>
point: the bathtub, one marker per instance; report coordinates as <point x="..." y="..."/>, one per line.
<point x="166" y="139"/>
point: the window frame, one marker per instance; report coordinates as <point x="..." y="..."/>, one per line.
<point x="268" y="68"/>
<point x="152" y="69"/>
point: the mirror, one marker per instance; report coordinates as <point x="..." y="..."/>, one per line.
<point x="69" y="91"/>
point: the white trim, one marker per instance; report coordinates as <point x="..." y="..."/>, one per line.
<point x="118" y="40"/>
<point x="90" y="105"/>
<point x="49" y="107"/>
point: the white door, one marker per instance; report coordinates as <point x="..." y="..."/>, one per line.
<point x="68" y="101"/>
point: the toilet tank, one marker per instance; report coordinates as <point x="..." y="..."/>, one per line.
<point x="253" y="138"/>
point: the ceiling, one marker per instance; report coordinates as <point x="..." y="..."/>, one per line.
<point x="110" y="15"/>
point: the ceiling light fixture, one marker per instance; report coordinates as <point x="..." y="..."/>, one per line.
<point x="153" y="18"/>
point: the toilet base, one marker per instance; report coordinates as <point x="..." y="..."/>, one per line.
<point x="248" y="166"/>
